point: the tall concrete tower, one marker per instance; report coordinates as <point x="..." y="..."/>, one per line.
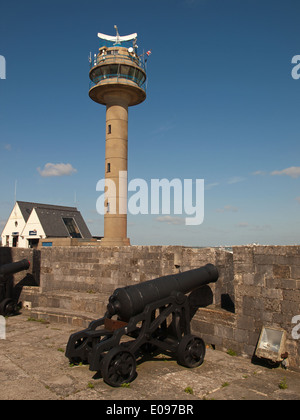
<point x="118" y="75"/>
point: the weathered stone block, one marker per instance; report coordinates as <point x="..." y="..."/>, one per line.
<point x="241" y="336"/>
<point x="281" y="271"/>
<point x="272" y="293"/>
<point x="288" y="284"/>
<point x="295" y="272"/>
<point x="224" y="331"/>
<point x="272" y="305"/>
<point x="292" y="295"/>
<point x="246" y="322"/>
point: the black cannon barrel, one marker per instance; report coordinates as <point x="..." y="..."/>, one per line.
<point x="131" y="300"/>
<point x="14" y="267"/>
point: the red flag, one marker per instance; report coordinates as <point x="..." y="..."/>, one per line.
<point x="149" y="52"/>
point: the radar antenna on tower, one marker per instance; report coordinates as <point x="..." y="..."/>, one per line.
<point x="118" y="39"/>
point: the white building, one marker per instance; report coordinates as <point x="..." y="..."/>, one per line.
<point x="30" y="223"/>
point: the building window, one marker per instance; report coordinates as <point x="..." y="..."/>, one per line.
<point x="108" y="167"/>
<point x="46" y="244"/>
<point x="109" y="129"/>
<point x="108" y="207"/>
<point x="72" y="227"/>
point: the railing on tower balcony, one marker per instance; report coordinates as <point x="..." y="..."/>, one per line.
<point x="119" y="67"/>
<point x="114" y="56"/>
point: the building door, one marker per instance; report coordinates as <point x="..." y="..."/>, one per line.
<point x="33" y="243"/>
<point x="15" y="241"/>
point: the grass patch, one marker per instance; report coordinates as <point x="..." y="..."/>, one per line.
<point x="224" y="384"/>
<point x="282" y="384"/>
<point x="41" y="320"/>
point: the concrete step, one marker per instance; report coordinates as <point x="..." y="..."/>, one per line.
<point x="82" y="301"/>
<point x="75" y="301"/>
<point x="75" y="318"/>
<point x="75" y="308"/>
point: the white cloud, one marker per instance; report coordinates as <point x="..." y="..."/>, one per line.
<point x="255" y="228"/>
<point x="243" y="224"/>
<point x="7" y="147"/>
<point x="235" y="180"/>
<point x="57" y="169"/>
<point x="293" y="171"/>
<point x="259" y="173"/>
<point x="212" y="185"/>
<point x="170" y="220"/>
<point x="260" y="228"/>
<point x="227" y="208"/>
<point x="163" y="128"/>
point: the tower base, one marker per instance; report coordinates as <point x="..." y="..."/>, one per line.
<point x="115" y="242"/>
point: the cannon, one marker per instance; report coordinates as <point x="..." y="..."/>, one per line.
<point x="143" y="318"/>
<point x="8" y="305"/>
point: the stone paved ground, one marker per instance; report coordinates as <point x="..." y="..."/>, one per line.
<point x="33" y="366"/>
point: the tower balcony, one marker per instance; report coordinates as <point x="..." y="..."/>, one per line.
<point x="118" y="67"/>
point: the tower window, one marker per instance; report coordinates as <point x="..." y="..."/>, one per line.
<point x="109" y="129"/>
<point x="108" y="167"/>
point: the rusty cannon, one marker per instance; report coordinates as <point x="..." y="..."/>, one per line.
<point x="8" y="305"/>
<point x="143" y="318"/>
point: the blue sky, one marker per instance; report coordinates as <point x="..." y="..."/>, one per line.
<point x="221" y="106"/>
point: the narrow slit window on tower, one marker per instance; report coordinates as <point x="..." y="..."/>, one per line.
<point x="109" y="129"/>
<point x="108" y="167"/>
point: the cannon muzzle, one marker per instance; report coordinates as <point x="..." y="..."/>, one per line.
<point x="131" y="300"/>
<point x="14" y="267"/>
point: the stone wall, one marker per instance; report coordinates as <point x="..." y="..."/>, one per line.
<point x="266" y="283"/>
<point x="267" y="292"/>
<point x="258" y="285"/>
<point x="104" y="269"/>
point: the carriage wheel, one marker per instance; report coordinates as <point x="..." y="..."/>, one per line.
<point x="118" y="366"/>
<point x="7" y="307"/>
<point x="77" y="359"/>
<point x="191" y="351"/>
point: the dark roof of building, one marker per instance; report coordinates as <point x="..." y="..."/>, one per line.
<point x="26" y="208"/>
<point x="51" y="218"/>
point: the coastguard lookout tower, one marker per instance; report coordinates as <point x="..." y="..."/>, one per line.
<point x="118" y="78"/>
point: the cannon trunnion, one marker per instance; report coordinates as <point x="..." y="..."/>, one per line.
<point x="151" y="316"/>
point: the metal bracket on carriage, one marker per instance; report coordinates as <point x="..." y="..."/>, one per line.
<point x="113" y="325"/>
